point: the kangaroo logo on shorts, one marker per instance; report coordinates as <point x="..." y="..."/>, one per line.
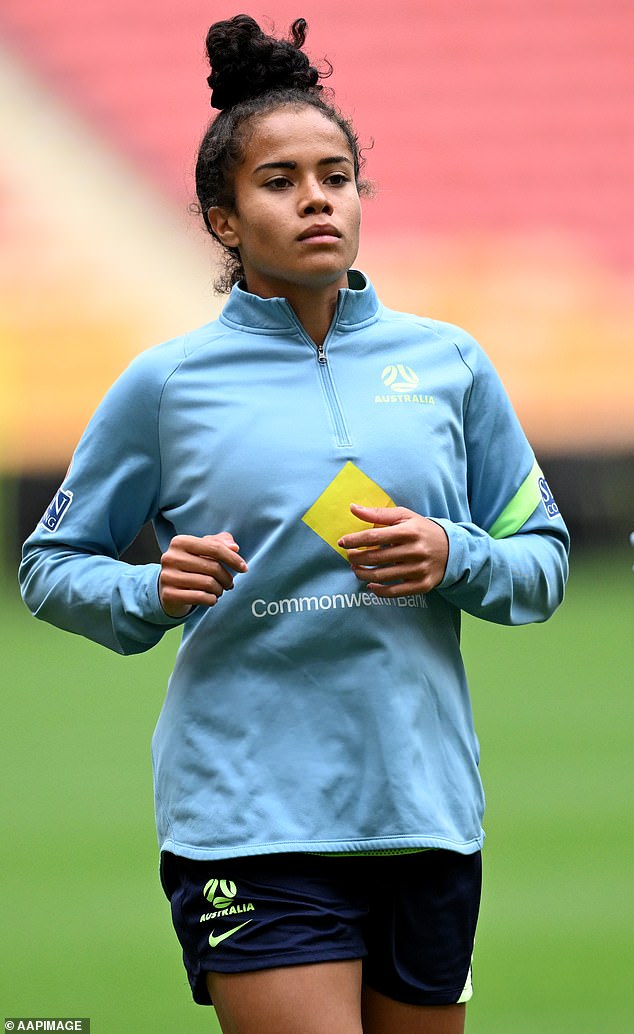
<point x="220" y="893"/>
<point x="399" y="377"/>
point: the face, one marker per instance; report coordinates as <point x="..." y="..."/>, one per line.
<point x="297" y="212"/>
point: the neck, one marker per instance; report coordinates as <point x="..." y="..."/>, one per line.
<point x="314" y="307"/>
<point x="315" y="310"/>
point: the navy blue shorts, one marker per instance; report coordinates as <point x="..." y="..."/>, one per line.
<point x="411" y="918"/>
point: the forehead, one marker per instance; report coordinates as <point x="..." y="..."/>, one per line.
<point x="294" y="134"/>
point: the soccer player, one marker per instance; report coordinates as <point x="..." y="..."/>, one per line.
<point x="331" y="484"/>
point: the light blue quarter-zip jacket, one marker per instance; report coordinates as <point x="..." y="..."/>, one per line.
<point x="303" y="712"/>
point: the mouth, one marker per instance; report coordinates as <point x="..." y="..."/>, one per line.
<point x="320" y="232"/>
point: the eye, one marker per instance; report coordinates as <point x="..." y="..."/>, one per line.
<point x="278" y="183"/>
<point x="338" y="179"/>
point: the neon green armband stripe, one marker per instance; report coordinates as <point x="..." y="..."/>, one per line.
<point x="521" y="506"/>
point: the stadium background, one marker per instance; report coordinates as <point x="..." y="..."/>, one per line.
<point x="500" y="138"/>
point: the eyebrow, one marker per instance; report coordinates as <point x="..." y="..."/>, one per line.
<point x="335" y="160"/>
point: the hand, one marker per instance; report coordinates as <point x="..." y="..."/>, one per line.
<point x="194" y="571"/>
<point x="402" y="554"/>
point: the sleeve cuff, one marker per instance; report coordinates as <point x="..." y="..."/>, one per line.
<point x="457" y="561"/>
<point x="156" y="615"/>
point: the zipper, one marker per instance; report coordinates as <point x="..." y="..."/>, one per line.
<point x="332" y="400"/>
<point x="342" y="435"/>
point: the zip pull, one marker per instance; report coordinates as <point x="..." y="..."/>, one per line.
<point x="321" y="355"/>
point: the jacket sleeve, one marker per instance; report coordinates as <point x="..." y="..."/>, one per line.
<point x="509" y="563"/>
<point x="71" y="574"/>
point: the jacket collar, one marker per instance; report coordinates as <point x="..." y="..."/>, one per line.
<point x="357" y="304"/>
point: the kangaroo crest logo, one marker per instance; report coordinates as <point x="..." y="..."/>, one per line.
<point x="220" y="893"/>
<point x="399" y="377"/>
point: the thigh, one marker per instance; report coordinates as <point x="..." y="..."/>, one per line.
<point x="313" y="999"/>
<point x="240" y="916"/>
<point x="383" y="1015"/>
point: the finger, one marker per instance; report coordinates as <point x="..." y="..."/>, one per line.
<point x="178" y="603"/>
<point x="182" y="568"/>
<point x="215" y="574"/>
<point x="386" y="515"/>
<point x="211" y="582"/>
<point x="388" y="554"/>
<point x="399" y="589"/>
<point x="383" y="575"/>
<point x="227" y="537"/>
<point x="214" y="547"/>
<point x="225" y="551"/>
<point x="379" y="537"/>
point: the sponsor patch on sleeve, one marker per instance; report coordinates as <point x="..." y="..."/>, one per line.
<point x="548" y="499"/>
<point x="57" y="509"/>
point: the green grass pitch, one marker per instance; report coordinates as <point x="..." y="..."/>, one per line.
<point x="86" y="930"/>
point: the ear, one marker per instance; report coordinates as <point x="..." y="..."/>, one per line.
<point x="223" y="223"/>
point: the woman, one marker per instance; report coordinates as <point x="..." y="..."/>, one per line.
<point x="331" y="483"/>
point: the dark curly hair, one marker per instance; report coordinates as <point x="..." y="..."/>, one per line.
<point x="253" y="74"/>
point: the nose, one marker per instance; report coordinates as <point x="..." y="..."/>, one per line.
<point x="314" y="199"/>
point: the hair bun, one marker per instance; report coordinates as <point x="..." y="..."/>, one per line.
<point x="246" y="63"/>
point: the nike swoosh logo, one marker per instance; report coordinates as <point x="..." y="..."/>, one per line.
<point x="216" y="939"/>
